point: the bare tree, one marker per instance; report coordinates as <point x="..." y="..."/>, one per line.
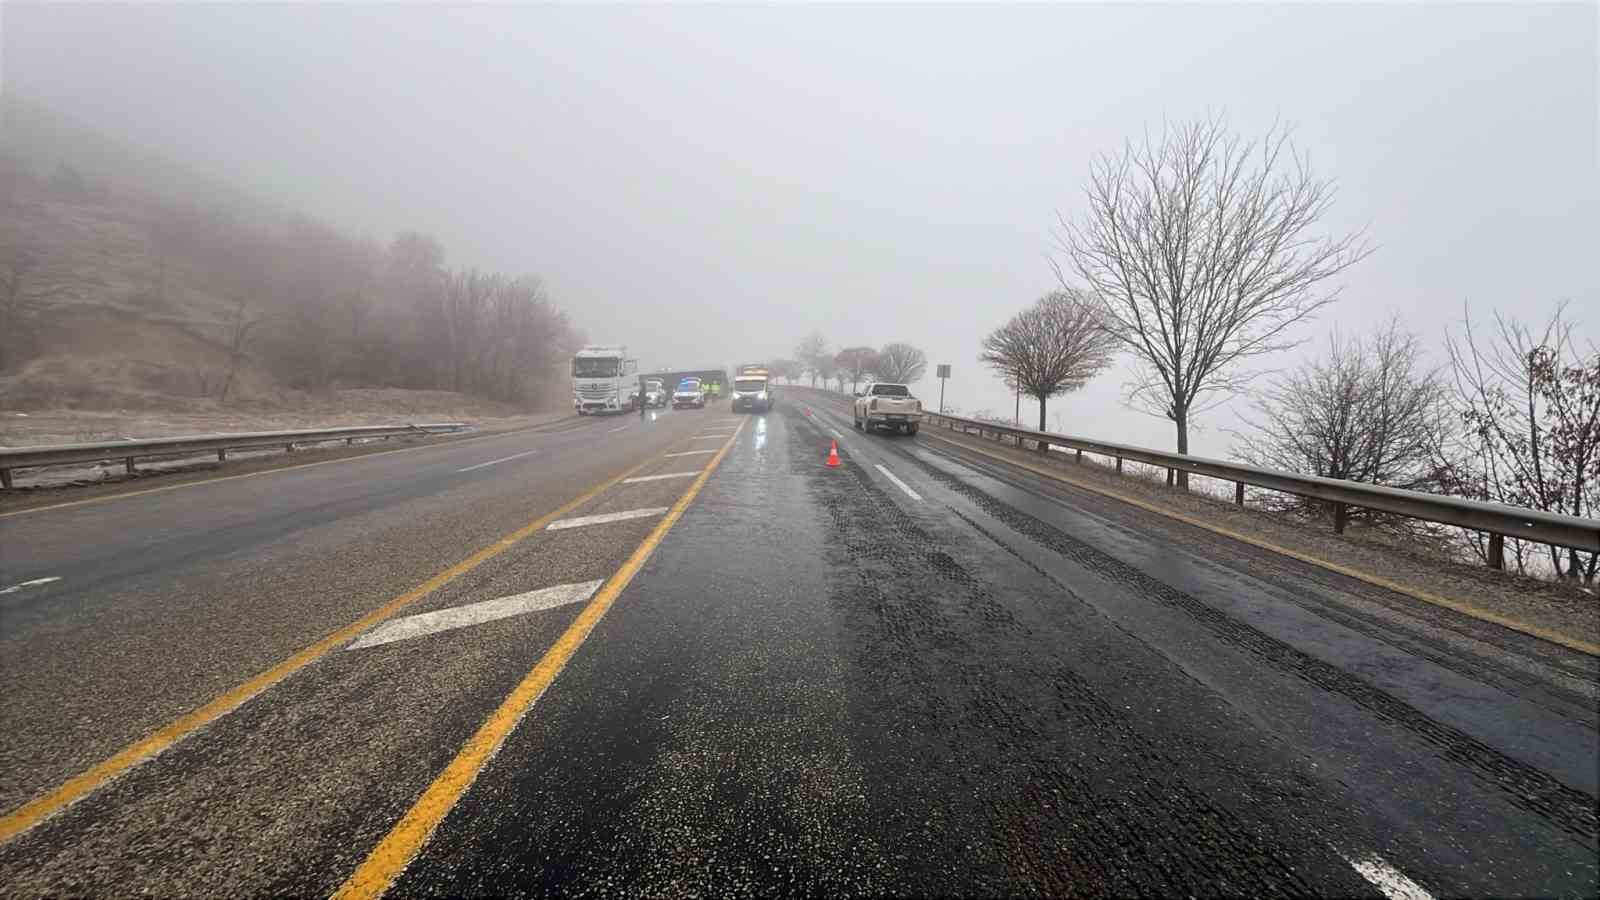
<point x="787" y="369"/>
<point x="901" y="363"/>
<point x="1531" y="406"/>
<point x="413" y="307"/>
<point x="855" y="363"/>
<point x="826" y="368"/>
<point x="811" y="353"/>
<point x="1052" y="347"/>
<point x="1366" y="410"/>
<point x="240" y="328"/>
<point x="1201" y="248"/>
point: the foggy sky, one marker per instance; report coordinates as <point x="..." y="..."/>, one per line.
<point x="708" y="184"/>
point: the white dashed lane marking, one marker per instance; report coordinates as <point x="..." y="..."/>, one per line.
<point x="899" y="484"/>
<point x="708" y="437"/>
<point x="617" y="429"/>
<point x="603" y="518"/>
<point x="427" y="623"/>
<point x="28" y="584"/>
<point x="638" y="478"/>
<point x="692" y="453"/>
<point x="494" y="462"/>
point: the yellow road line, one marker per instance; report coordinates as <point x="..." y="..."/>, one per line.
<point x="1466" y="609"/>
<point x="273" y="471"/>
<point x="392" y="854"/>
<point x="75" y="788"/>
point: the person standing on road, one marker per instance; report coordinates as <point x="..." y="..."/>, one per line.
<point x="644" y="396"/>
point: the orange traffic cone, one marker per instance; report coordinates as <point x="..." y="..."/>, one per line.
<point x="833" y="455"/>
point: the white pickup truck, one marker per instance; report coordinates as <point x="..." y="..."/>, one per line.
<point x="885" y="405"/>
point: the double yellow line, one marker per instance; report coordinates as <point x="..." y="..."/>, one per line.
<point x="79" y="786"/>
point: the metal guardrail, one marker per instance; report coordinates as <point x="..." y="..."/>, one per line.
<point x="1497" y="520"/>
<point x="129" y="451"/>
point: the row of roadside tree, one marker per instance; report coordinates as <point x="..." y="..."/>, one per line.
<point x="1198" y="253"/>
<point x="813" y="359"/>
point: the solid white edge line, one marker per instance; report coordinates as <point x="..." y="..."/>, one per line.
<point x="1391" y="882"/>
<point x="639" y="478"/>
<point x="617" y="429"/>
<point x="469" y="614"/>
<point x="899" y="484"/>
<point x="494" y="462"/>
<point x="691" y="453"/>
<point x="603" y="518"/>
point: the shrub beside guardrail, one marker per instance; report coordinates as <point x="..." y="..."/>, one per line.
<point x="1496" y="520"/>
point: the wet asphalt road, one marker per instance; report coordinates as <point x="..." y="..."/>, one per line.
<point x="960" y="679"/>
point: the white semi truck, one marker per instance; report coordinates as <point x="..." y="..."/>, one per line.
<point x="604" y="380"/>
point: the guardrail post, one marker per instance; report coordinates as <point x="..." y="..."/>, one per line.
<point x="1497" y="551"/>
<point x="1080" y="456"/>
<point x="222" y="454"/>
<point x="289" y="447"/>
<point x="128" y="464"/>
<point x="5" y="479"/>
<point x="1341" y="515"/>
<point x="1170" y="477"/>
<point x="1119" y="465"/>
<point x="1238" y="493"/>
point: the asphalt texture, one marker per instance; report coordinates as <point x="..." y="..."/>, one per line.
<point x="920" y="673"/>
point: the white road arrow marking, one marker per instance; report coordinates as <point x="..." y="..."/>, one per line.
<point x="603" y="518"/>
<point x="1387" y="879"/>
<point x="427" y="623"/>
<point x="28" y="584"/>
<point x="639" y="478"/>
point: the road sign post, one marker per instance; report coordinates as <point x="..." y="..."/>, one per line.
<point x="943" y="372"/>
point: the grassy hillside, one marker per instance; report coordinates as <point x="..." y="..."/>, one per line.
<point x="129" y="282"/>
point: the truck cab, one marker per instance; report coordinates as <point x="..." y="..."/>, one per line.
<point x="603" y="380"/>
